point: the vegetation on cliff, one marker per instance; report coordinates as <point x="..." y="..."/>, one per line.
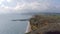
<point x="39" y="21"/>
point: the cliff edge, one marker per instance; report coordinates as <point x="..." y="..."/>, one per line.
<point x="45" y="24"/>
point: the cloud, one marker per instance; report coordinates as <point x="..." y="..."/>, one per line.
<point x="9" y="0"/>
<point x="32" y="6"/>
<point x="28" y="5"/>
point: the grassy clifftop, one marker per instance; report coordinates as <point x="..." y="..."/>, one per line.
<point x="40" y="21"/>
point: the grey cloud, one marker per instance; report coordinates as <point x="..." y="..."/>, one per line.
<point x="20" y="6"/>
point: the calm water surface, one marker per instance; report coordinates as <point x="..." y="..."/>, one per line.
<point x="13" y="27"/>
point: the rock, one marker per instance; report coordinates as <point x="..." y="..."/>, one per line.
<point x="42" y="24"/>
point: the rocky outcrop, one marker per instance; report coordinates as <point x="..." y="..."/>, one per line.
<point x="42" y="24"/>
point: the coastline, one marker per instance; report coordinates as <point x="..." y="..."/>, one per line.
<point x="28" y="29"/>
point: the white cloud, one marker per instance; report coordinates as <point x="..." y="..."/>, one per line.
<point x="1" y="0"/>
<point x="36" y="5"/>
<point x="19" y="6"/>
<point x="32" y="6"/>
<point x="27" y="6"/>
<point x="39" y="6"/>
<point x="9" y="0"/>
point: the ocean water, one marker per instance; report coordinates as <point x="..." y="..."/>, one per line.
<point x="7" y="26"/>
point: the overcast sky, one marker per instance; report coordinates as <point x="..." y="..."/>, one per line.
<point x="19" y="6"/>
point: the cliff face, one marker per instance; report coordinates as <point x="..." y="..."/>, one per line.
<point x="42" y="24"/>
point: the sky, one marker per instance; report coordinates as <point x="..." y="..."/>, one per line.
<point x="23" y="6"/>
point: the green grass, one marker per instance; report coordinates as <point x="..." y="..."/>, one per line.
<point x="38" y="20"/>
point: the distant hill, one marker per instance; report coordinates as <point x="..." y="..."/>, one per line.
<point x="40" y="13"/>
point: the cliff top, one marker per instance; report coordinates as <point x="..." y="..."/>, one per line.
<point x="39" y="21"/>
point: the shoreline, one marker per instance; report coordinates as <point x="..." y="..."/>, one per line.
<point x="28" y="29"/>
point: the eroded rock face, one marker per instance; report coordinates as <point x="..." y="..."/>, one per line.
<point x="45" y="24"/>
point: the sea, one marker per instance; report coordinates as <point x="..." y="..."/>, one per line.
<point x="7" y="26"/>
